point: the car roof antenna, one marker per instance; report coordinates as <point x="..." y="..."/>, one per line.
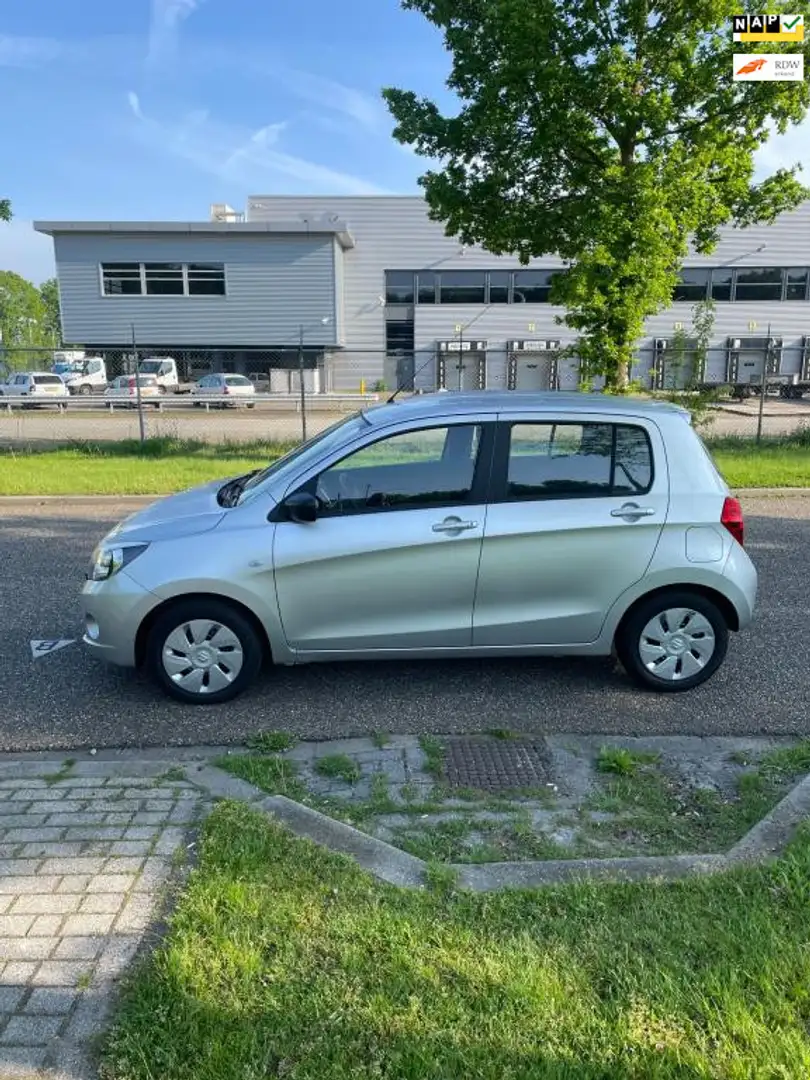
<point x="419" y="370"/>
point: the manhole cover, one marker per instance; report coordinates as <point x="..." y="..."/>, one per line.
<point x="496" y="764"/>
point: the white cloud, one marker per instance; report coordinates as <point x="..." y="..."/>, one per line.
<point x="28" y="52"/>
<point x="784" y="151"/>
<point x="247" y="159"/>
<point x="26" y="252"/>
<point x="164" y="28"/>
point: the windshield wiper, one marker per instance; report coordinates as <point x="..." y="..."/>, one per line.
<point x="228" y="494"/>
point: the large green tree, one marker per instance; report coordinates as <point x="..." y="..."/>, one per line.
<point x="608" y="133"/>
<point x="49" y="291"/>
<point x="22" y="313"/>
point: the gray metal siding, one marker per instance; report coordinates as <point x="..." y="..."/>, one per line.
<point x="395" y="232"/>
<point x="273" y="285"/>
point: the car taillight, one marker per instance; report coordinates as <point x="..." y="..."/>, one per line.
<point x="732" y="518"/>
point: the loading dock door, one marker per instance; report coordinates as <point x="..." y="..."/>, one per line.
<point x="677" y="365"/>
<point x="746" y="357"/>
<point x="532" y="365"/>
<point x="461" y="365"/>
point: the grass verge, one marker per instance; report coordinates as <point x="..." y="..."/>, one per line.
<point x="164" y="465"/>
<point x="285" y="960"/>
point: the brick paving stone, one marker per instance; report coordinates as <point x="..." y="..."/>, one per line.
<point x="82" y="817"/>
<point x="124" y="864"/>
<point x="46" y="926"/>
<point x="131" y="782"/>
<point x="83" y="925"/>
<point x="90" y="1014"/>
<point x="99" y="832"/>
<point x="14" y="925"/>
<point x="78" y="948"/>
<point x="55" y="850"/>
<point x="38" y="794"/>
<point x="30" y="1031"/>
<point x="18" y="973"/>
<point x="18" y="867"/>
<point x="95" y="793"/>
<point x="118" y="953"/>
<point x="153" y="876"/>
<point x="26" y="948"/>
<point x="137" y="831"/>
<point x="60" y="973"/>
<point x="47" y="904"/>
<point x="29" y="835"/>
<point x="184" y="813"/>
<point x="102" y="903"/>
<point x="119" y="818"/>
<point x="159" y="806"/>
<point x="107" y="883"/>
<point x="28" y="884"/>
<point x="74" y="883"/>
<point x="137" y="914"/>
<point x="79" y="782"/>
<point x="169" y="840"/>
<point x="5" y="903"/>
<point x="131" y="847"/>
<point x="14" y="821"/>
<point x="144" y="817"/>
<point x="20" y="1062"/>
<point x="48" y="1001"/>
<point x="111" y="806"/>
<point x="10" y="997"/>
<point x="9" y="851"/>
<point x="38" y="783"/>
<point x="81" y="865"/>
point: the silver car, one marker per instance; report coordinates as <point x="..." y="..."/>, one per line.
<point x="461" y="524"/>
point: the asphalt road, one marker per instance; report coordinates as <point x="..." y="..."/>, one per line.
<point x="69" y="700"/>
<point x="241" y="425"/>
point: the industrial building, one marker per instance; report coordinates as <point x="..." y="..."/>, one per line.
<point x="374" y="290"/>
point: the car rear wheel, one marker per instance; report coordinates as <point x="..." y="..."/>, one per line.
<point x="673" y="642"/>
<point x="203" y="651"/>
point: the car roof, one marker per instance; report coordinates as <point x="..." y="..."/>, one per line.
<point x="478" y="401"/>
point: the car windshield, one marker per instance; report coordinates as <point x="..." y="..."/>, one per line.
<point x="150" y="367"/>
<point x="309" y="451"/>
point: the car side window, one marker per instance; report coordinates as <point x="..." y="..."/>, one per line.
<point x="426" y="467"/>
<point x="570" y="460"/>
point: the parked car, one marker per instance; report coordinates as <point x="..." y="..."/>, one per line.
<point x="125" y="390"/>
<point x="38" y="387"/>
<point x="472" y="524"/>
<point x="238" y="388"/>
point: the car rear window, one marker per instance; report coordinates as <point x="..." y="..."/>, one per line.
<point x="566" y="460"/>
<point x="237" y="380"/>
<point x="47" y="380"/>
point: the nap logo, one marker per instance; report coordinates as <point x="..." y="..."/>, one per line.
<point x="772" y="67"/>
<point x="768" y="27"/>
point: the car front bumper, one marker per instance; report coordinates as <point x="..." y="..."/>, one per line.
<point x="112" y="612"/>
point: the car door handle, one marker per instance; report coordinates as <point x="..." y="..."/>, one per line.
<point x="633" y="510"/>
<point x="454" y="525"/>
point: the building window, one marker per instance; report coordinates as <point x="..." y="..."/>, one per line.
<point x="764" y="284"/>
<point x="796" y="283"/>
<point x="426" y="287"/>
<point x="206" y="279"/>
<point x="532" y="286"/>
<point x="721" y="284"/>
<point x="399" y="336"/>
<point x="122" y="279"/>
<point x="499" y="282"/>
<point x="462" y="286"/>
<point x="693" y="286"/>
<point x="163" y="279"/>
<point x="399" y="286"/>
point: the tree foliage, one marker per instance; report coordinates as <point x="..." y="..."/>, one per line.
<point x="49" y="292"/>
<point x="5" y="210"/>
<point x="22" y="312"/>
<point x="607" y="132"/>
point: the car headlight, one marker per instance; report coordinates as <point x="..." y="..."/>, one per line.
<point x="109" y="559"/>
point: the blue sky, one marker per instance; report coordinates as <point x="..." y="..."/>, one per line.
<point x="157" y="108"/>
<point x="141" y="109"/>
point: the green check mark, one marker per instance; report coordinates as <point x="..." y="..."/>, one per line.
<point x="796" y="21"/>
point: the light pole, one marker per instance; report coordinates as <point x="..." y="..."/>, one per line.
<point x="301" y="329"/>
<point x="460" y="329"/>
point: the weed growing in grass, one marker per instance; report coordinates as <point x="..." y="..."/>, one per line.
<point x="64" y="772"/>
<point x="275" y="775"/>
<point x="434" y="755"/>
<point x="271" y="742"/>
<point x="381" y="739"/>
<point x="501" y="733"/>
<point x="338" y="767"/>
<point x="623" y="762"/>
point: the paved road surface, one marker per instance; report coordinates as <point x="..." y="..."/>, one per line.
<point x="43" y="425"/>
<point x="68" y="699"/>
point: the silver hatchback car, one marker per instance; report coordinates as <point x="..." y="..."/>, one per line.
<point x="466" y="524"/>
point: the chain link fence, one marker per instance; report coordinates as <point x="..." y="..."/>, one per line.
<point x="264" y="400"/>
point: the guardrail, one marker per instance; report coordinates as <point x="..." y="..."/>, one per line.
<point x="184" y="402"/>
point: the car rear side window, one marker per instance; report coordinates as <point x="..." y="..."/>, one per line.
<point x="569" y="460"/>
<point x="47" y="380"/>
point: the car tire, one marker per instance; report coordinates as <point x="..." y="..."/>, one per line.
<point x="649" y="638"/>
<point x="241" y="651"/>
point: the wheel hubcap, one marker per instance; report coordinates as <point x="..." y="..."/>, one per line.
<point x="677" y="644"/>
<point x="202" y="656"/>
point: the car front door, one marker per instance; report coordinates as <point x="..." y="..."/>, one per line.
<point x="577" y="508"/>
<point x="391" y="561"/>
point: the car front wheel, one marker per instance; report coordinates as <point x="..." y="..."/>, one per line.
<point x="673" y="642"/>
<point x="203" y="651"/>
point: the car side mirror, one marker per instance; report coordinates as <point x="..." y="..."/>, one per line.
<point x="302" y="507"/>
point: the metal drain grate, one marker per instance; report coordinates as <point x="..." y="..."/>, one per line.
<point x="496" y="764"/>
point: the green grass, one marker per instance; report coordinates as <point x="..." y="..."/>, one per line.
<point x="338" y="767"/>
<point x="623" y="762"/>
<point x="285" y="960"/>
<point x="434" y="755"/>
<point x="164" y="464"/>
<point x="271" y="742"/>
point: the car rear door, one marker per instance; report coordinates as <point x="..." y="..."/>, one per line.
<point x="577" y="508"/>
